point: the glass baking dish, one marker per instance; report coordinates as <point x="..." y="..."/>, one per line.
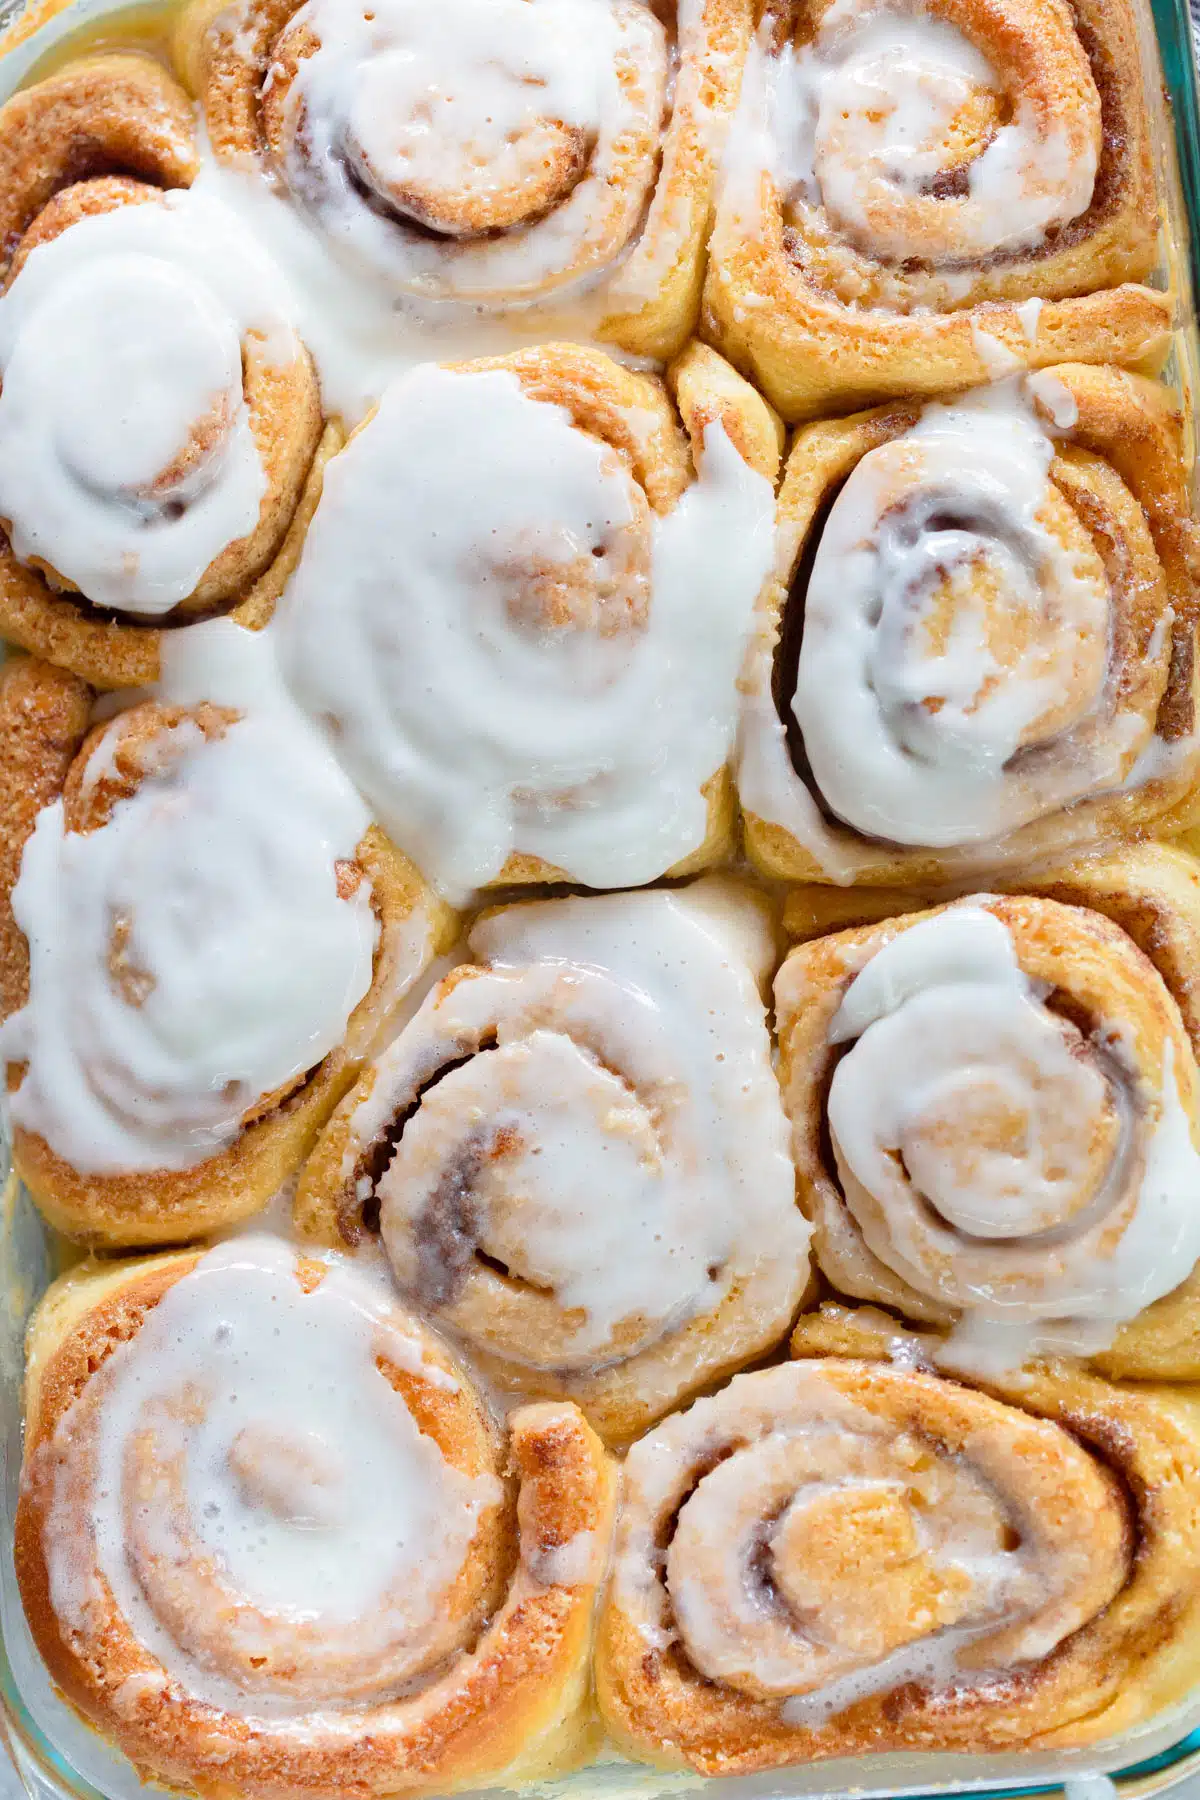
<point x="57" y="1756"/>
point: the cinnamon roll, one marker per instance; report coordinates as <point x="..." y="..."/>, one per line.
<point x="978" y="648"/>
<point x="203" y="933"/>
<point x="917" y="194"/>
<point x="159" y="416"/>
<point x="575" y="1153"/>
<point x="849" y="1554"/>
<point x="490" y="153"/>
<point x="995" y="1117"/>
<point x="300" y="1559"/>
<point x="521" y="609"/>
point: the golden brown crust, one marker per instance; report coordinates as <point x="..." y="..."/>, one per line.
<point x="257" y="608"/>
<point x="709" y="392"/>
<point x="171" y="1206"/>
<point x="655" y="295"/>
<point x="1151" y="892"/>
<point x="813" y="911"/>
<point x="336" y="1207"/>
<point x="47" y="754"/>
<point x="399" y="895"/>
<point x="523" y="1335"/>
<point x="43" y="718"/>
<point x="705" y="95"/>
<point x="115" y="113"/>
<point x="110" y="654"/>
<point x="820" y="326"/>
<point x="79" y="1322"/>
<point x="1120" y="470"/>
<point x="1112" y="939"/>
<point x="714" y="850"/>
<point x="632" y="413"/>
<point x="142" y="741"/>
<point x="1129" y="1659"/>
<point x="622" y="408"/>
<point x="505" y="1722"/>
<point x="1141" y="1653"/>
<point x="511" y="1704"/>
<point x="65" y="137"/>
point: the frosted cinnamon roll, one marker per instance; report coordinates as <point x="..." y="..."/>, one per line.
<point x="521" y="608"/>
<point x="489" y="152"/>
<point x="158" y="414"/>
<point x="300" y="1559"/>
<point x="203" y="934"/>
<point x="1152" y="892"/>
<point x="978" y="647"/>
<point x="995" y="1118"/>
<point x="575" y="1153"/>
<point x="862" y="1555"/>
<point x="916" y="193"/>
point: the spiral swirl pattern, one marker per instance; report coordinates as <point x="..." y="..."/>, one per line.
<point x="159" y="415"/>
<point x="575" y="1152"/>
<point x="498" y="174"/>
<point x="1020" y="1544"/>
<point x="114" y="113"/>
<point x="976" y="636"/>
<point x="919" y="195"/>
<point x="1012" y="1103"/>
<point x="570" y="610"/>
<point x="130" y="460"/>
<point x="912" y="143"/>
<point x="135" y="1055"/>
<point x="214" y="931"/>
<point x="785" y="1499"/>
<point x="560" y="154"/>
<point x="178" y="1496"/>
<point x="985" y="650"/>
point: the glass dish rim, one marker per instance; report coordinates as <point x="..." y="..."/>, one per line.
<point x="46" y="1773"/>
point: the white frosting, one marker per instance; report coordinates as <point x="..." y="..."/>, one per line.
<point x="512" y="653"/>
<point x="997" y="359"/>
<point x="219" y="871"/>
<point x="469" y="97"/>
<point x="998" y="1162"/>
<point x="932" y="714"/>
<point x="865" y="116"/>
<point x="361" y="335"/>
<point x="971" y="479"/>
<point x="614" y="1135"/>
<point x="971" y="946"/>
<point x="768" y="1487"/>
<point x="579" y="1559"/>
<point x="273" y="1525"/>
<point x="127" y="458"/>
<point x="1054" y="397"/>
<point x="363" y="321"/>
